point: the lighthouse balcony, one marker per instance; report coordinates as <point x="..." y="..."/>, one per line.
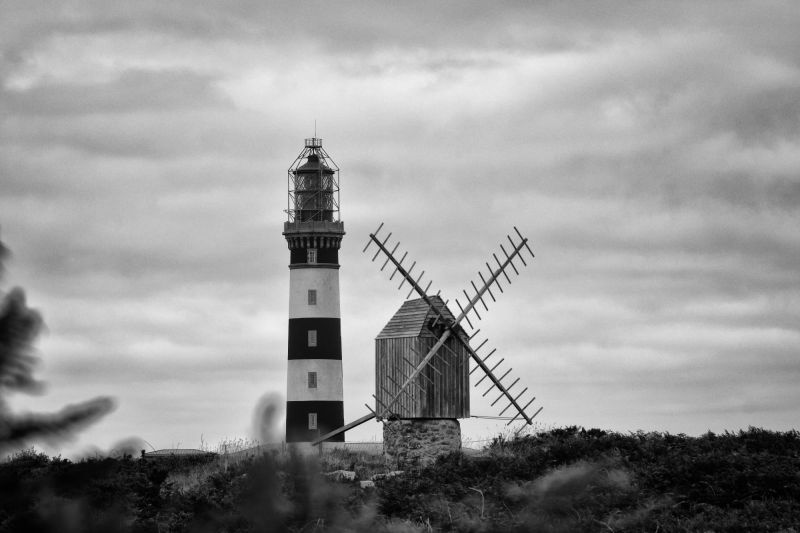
<point x="313" y="227"/>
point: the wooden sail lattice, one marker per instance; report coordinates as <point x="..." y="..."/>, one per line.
<point x="450" y="326"/>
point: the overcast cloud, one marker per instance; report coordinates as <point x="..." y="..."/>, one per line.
<point x="651" y="153"/>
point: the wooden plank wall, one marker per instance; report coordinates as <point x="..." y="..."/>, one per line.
<point x="444" y="394"/>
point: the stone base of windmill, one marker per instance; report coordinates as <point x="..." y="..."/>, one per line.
<point x="411" y="442"/>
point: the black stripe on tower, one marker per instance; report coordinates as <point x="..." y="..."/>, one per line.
<point x="299" y="256"/>
<point x="330" y="416"/>
<point x="328" y="338"/>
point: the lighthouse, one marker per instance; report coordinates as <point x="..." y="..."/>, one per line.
<point x="313" y="231"/>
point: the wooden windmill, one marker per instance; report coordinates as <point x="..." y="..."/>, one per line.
<point x="422" y="354"/>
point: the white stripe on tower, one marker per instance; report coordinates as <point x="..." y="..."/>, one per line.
<point x="323" y="280"/>
<point x="329" y="384"/>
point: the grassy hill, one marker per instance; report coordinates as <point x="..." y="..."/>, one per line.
<point x="568" y="479"/>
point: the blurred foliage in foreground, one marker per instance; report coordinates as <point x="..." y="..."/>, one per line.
<point x="19" y="327"/>
<point x="568" y="479"/>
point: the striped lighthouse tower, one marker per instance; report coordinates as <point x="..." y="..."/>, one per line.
<point x="314" y="232"/>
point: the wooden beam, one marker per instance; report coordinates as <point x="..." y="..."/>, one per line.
<point x="347" y="427"/>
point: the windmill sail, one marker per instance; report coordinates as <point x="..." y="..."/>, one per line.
<point x="492" y="278"/>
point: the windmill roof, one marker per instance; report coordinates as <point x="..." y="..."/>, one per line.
<point x="411" y="318"/>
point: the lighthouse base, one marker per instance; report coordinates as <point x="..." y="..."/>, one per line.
<point x="410" y="442"/>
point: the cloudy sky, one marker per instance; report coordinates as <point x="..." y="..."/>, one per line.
<point x="649" y="151"/>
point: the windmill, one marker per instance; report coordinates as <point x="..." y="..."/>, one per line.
<point x="406" y="377"/>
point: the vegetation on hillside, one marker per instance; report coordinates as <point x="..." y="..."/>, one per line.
<point x="568" y="479"/>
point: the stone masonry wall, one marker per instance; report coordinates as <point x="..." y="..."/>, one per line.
<point x="410" y="442"/>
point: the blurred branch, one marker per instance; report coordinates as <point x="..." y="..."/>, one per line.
<point x="19" y="327"/>
<point x="18" y="429"/>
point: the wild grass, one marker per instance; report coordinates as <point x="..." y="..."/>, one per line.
<point x="232" y="453"/>
<point x="563" y="479"/>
